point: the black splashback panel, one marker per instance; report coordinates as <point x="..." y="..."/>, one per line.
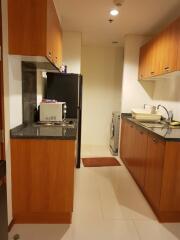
<point x="29" y="91"/>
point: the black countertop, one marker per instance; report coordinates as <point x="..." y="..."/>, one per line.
<point x="36" y="131"/>
<point x="165" y="133"/>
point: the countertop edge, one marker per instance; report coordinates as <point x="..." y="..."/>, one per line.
<point x="128" y="116"/>
<point x="14" y="134"/>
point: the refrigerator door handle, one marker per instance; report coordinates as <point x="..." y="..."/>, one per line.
<point x="79" y="80"/>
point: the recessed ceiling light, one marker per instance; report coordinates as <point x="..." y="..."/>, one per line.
<point x="114" y="12"/>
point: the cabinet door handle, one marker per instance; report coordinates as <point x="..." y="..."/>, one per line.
<point x="49" y="54"/>
<point x="152" y="73"/>
<point x="131" y="126"/>
<point x="166" y="68"/>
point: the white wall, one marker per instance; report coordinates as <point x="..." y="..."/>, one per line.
<point x="102" y="70"/>
<point x="167" y="93"/>
<point x="6" y="106"/>
<point x="15" y="91"/>
<point x="72" y="51"/>
<point x="40" y="87"/>
<point x="133" y="92"/>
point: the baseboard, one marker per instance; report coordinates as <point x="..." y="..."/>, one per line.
<point x="43" y="218"/>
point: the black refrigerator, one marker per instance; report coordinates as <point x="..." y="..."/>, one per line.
<point x="68" y="88"/>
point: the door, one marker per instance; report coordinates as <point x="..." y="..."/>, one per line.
<point x="124" y="141"/>
<point x="131" y="146"/>
<point x="168" y="50"/>
<point x="139" y="166"/>
<point x="2" y="147"/>
<point x="154" y="170"/>
<point x="54" y="35"/>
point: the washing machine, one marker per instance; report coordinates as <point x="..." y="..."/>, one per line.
<point x="114" y="133"/>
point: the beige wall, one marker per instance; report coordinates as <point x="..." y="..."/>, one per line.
<point x="102" y="70"/>
<point x="167" y="93"/>
<point x="134" y="93"/>
<point x="72" y="51"/>
<point x="137" y="93"/>
<point x="15" y="91"/>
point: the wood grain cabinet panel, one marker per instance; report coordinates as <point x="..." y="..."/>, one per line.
<point x="170" y="47"/>
<point x="155" y="166"/>
<point x="126" y="142"/>
<point x="178" y="64"/>
<point x="140" y="150"/>
<point x="54" y="35"/>
<point x="160" y="55"/>
<point x="34" y="29"/>
<point x="143" y="62"/>
<point x="154" y="170"/>
<point x="130" y="146"/>
<point x="42" y="180"/>
<point x="133" y="147"/>
<point x="123" y="142"/>
<point x="170" y="199"/>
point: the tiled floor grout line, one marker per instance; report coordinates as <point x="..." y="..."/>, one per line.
<point x="137" y="231"/>
<point x="100" y="199"/>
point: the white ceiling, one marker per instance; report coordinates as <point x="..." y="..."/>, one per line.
<point x="136" y="17"/>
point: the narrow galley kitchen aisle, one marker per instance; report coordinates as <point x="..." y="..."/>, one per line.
<point x="108" y="206"/>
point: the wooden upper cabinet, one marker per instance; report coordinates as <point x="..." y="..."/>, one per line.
<point x="143" y="62"/>
<point x="34" y="29"/>
<point x="170" y="48"/>
<point x="54" y="35"/>
<point x="160" y="55"/>
<point x="178" y="64"/>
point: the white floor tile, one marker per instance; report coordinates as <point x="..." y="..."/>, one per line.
<point x="105" y="230"/>
<point x="149" y="230"/>
<point x="120" y="197"/>
<point x="95" y="151"/>
<point x="107" y="206"/>
<point x="42" y="232"/>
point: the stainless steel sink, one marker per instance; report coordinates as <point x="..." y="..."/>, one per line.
<point x="158" y="125"/>
<point x="56" y="124"/>
<point x="154" y="124"/>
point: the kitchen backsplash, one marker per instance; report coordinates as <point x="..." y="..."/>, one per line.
<point x="29" y="91"/>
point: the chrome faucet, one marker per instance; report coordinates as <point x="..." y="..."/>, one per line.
<point x="169" y="113"/>
<point x="153" y="108"/>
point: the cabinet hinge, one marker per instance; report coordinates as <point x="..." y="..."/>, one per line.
<point x="2" y="136"/>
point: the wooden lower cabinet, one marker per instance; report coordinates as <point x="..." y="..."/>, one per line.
<point x="140" y="150"/>
<point x="170" y="198"/>
<point x="133" y="150"/>
<point x="154" y="170"/>
<point x="42" y="180"/>
<point x="155" y="165"/>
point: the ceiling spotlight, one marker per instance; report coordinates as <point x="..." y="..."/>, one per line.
<point x="114" y="12"/>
